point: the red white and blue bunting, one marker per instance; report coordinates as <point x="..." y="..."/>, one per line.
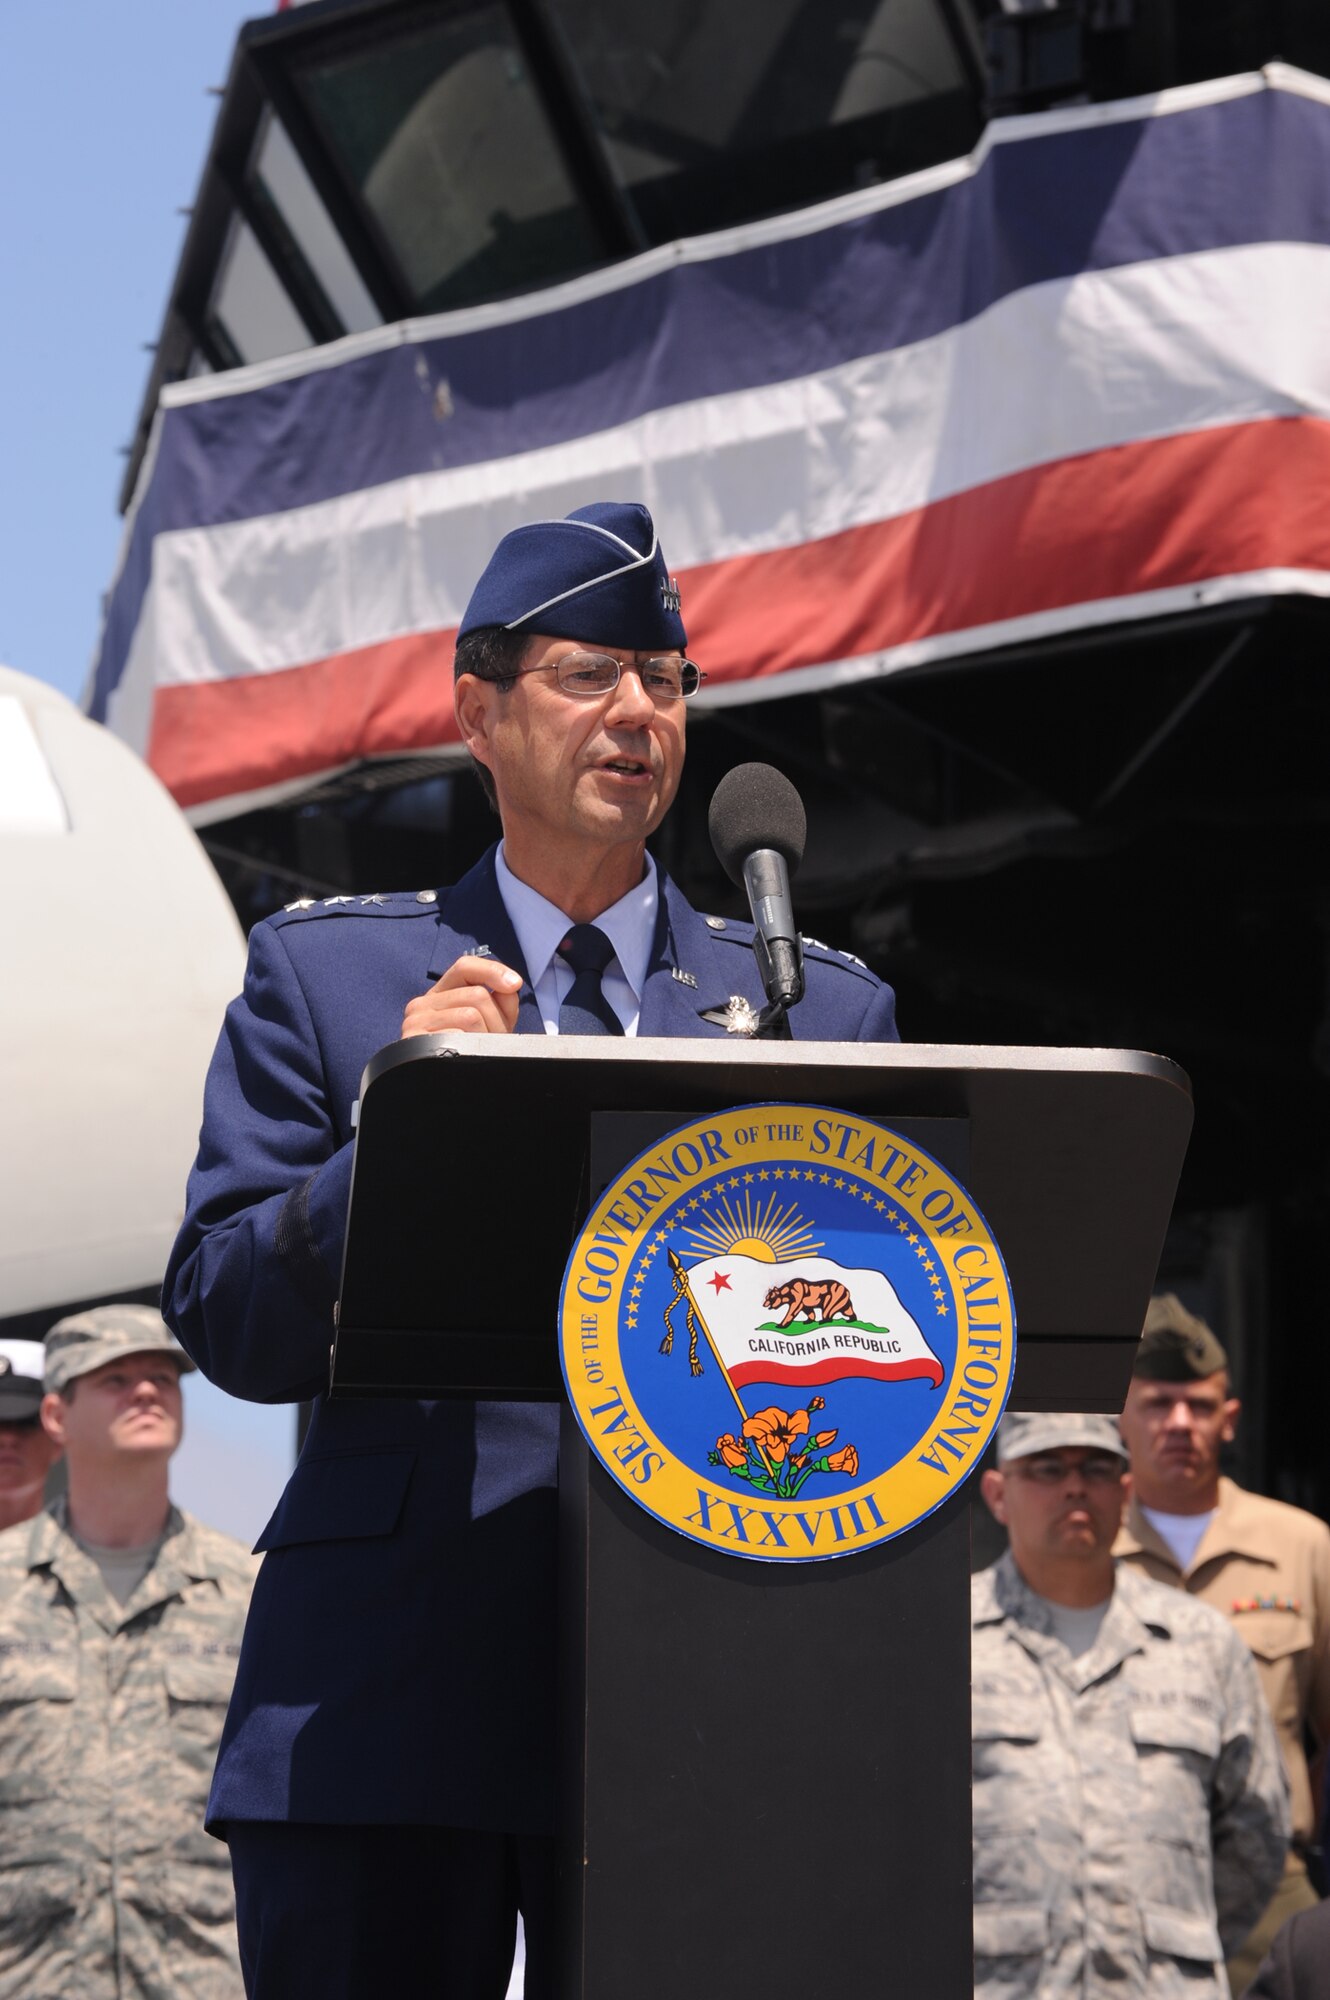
<point x="1079" y="378"/>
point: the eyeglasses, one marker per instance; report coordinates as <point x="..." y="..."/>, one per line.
<point x="668" y="677"/>
<point x="1055" y="1471"/>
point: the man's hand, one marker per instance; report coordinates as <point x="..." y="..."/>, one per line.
<point x="477" y="995"/>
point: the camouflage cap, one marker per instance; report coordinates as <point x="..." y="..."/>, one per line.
<point x="1176" y="1346"/>
<point x="1047" y="1430"/>
<point x="21" y="1363"/>
<point x="87" y="1340"/>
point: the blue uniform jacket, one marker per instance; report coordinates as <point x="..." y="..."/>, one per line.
<point x="397" y="1666"/>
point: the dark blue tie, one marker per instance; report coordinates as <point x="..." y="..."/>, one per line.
<point x="584" y="1009"/>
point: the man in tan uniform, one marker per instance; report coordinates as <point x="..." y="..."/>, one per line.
<point x="120" y="1623"/>
<point x="1265" y="1565"/>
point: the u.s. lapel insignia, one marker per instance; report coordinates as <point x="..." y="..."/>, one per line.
<point x="738" y="1016"/>
<point x="684" y="978"/>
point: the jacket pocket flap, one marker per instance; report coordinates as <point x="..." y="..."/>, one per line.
<point x="1273" y="1635"/>
<point x="201" y="1677"/>
<point x="1176" y="1729"/>
<point x="33" y="1896"/>
<point x="1005" y="1930"/>
<point x="31" y="1671"/>
<point x="1181" y="1934"/>
<point x="1003" y="1721"/>
<point x="347" y="1497"/>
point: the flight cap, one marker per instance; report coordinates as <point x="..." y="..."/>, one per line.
<point x="597" y="576"/>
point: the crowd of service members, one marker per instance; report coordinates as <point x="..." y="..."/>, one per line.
<point x="1145" y="1687"/>
<point x="1146" y="1684"/>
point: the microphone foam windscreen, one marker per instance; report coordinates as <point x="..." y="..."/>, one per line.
<point x="754" y="806"/>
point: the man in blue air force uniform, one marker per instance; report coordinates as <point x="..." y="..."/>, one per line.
<point x="385" y="1777"/>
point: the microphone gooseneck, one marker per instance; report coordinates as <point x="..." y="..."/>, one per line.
<point x="758" y="828"/>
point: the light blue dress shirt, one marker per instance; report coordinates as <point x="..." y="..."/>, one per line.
<point x="630" y="926"/>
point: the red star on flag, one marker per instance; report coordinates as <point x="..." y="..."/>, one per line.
<point x="719" y="1282"/>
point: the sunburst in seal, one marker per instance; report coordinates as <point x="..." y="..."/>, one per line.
<point x="761" y="1230"/>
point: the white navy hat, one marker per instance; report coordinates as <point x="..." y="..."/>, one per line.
<point x="21" y="1366"/>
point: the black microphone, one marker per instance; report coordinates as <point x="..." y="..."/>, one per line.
<point x="758" y="828"/>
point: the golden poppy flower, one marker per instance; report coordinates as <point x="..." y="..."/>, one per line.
<point x="776" y="1430"/>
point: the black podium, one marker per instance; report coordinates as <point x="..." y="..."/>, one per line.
<point x="765" y="1769"/>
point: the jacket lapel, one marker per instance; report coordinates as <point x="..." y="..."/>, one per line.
<point x="474" y="919"/>
<point x="685" y="944"/>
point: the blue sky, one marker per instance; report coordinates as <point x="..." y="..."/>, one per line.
<point x="106" y="126"/>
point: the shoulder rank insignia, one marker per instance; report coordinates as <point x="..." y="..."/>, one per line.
<point x="301" y="903"/>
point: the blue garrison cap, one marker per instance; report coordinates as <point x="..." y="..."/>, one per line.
<point x="598" y="576"/>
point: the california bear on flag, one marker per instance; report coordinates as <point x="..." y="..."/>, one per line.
<point x="803" y="1322"/>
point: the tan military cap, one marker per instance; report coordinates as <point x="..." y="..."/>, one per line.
<point x="1176" y="1346"/>
<point x="1048" y="1430"/>
<point x="87" y="1340"/>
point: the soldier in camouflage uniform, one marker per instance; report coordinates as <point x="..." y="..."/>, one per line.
<point x="120" y="1624"/>
<point x="1130" y="1808"/>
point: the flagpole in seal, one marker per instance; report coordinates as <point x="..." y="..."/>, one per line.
<point x="695" y="1318"/>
